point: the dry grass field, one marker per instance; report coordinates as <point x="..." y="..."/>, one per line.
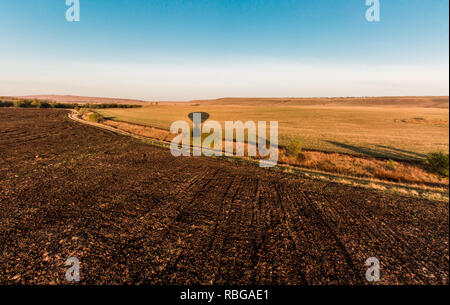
<point x="392" y="128"/>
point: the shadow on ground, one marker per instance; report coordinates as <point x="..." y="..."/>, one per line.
<point x="381" y="151"/>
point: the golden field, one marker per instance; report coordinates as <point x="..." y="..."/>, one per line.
<point x="404" y="128"/>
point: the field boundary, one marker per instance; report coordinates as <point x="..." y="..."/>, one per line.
<point x="410" y="190"/>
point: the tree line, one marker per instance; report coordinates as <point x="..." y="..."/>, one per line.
<point x="27" y="103"/>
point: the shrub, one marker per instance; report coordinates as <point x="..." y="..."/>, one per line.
<point x="95" y="117"/>
<point x="438" y="163"/>
<point x="6" y="104"/>
<point x="36" y="104"/>
<point x="45" y="105"/>
<point x="391" y="164"/>
<point x="22" y="104"/>
<point x="294" y="148"/>
<point x="82" y="111"/>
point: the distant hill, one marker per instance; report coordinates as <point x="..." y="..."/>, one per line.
<point x="407" y="101"/>
<point x="84" y="99"/>
<point x="402" y="101"/>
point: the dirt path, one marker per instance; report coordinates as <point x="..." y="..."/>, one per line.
<point x="132" y="213"/>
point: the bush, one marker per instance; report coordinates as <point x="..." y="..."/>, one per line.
<point x="40" y="104"/>
<point x="391" y="164"/>
<point x="294" y="148"/>
<point x="44" y="105"/>
<point x="82" y="111"/>
<point x="438" y="163"/>
<point x="22" y="104"/>
<point x="6" y="104"/>
<point x="95" y="117"/>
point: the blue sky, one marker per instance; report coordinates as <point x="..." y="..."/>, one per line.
<point x="184" y="50"/>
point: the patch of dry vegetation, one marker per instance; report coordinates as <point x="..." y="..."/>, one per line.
<point x="146" y="131"/>
<point x="410" y="172"/>
<point x="95" y="117"/>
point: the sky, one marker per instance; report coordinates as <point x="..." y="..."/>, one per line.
<point x="198" y="49"/>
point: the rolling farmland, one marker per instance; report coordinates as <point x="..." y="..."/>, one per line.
<point x="396" y="128"/>
<point x="133" y="213"/>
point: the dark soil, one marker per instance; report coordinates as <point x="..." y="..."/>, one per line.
<point x="132" y="213"/>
